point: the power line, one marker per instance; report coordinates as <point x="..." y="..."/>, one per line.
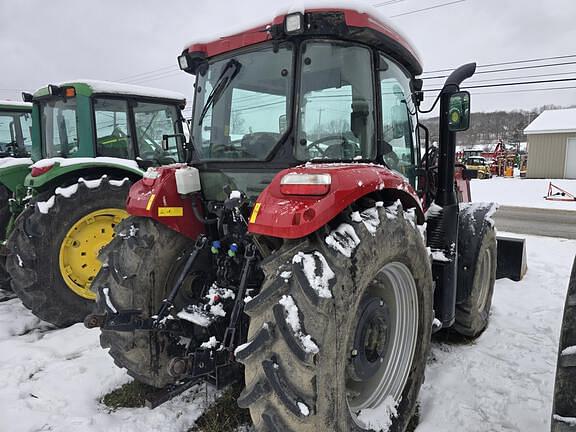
<point x="507" y="63"/>
<point x="511" y="84"/>
<point x="153" y="71"/>
<point x="427" y="9"/>
<point x="511" y="69"/>
<point x="522" y="77"/>
<point x="387" y="3"/>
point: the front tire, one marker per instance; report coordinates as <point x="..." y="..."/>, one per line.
<point x="473" y="313"/>
<point x="52" y="252"/>
<point x="340" y="343"/>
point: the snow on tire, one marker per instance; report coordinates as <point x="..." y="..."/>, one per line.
<point x="317" y="356"/>
<point x="34" y="247"/>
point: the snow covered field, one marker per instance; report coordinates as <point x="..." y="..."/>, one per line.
<point x="521" y="192"/>
<point x="52" y="380"/>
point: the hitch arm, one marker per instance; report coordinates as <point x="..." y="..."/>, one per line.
<point x="230" y="334"/>
<point x="168" y="302"/>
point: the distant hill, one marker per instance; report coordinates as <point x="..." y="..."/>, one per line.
<point x="486" y="128"/>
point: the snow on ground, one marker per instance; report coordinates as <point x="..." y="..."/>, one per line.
<point x="52" y="380"/>
<point x="521" y="192"/>
<point x="504" y="381"/>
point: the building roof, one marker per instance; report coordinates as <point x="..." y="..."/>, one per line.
<point x="553" y="121"/>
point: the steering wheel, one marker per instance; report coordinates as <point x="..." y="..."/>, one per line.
<point x="344" y="144"/>
<point x="221" y="149"/>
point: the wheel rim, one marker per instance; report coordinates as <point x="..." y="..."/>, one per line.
<point x="389" y="312"/>
<point x="485" y="279"/>
<point x="79" y="250"/>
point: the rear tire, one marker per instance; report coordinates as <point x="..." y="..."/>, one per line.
<point x="292" y="386"/>
<point x="34" y="249"/>
<point x="472" y="314"/>
<point x="138" y="269"/>
<point x="5" y="216"/>
<point x="565" y="386"/>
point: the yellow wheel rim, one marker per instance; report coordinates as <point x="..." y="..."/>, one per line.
<point x="81" y="245"/>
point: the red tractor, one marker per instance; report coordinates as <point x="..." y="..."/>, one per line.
<point x="307" y="238"/>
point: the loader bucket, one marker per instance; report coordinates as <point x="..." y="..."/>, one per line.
<point x="511" y="258"/>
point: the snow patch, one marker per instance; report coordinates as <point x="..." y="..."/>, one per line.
<point x="304" y="410"/>
<point x="8" y="162"/>
<point x="571" y="421"/>
<point x="195" y="315"/>
<point x="211" y="343"/>
<point x="319" y="278"/>
<point x="343" y="239"/>
<point x="100" y="160"/>
<point x="380" y="418"/>
<point x="45" y="206"/>
<point x="106" y="292"/>
<point x="571" y="350"/>
<point x="371" y="219"/>
<point x="293" y="320"/>
<point x="439" y="255"/>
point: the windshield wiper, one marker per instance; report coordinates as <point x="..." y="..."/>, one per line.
<point x="228" y="74"/>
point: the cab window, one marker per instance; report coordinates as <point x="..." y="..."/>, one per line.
<point x="337" y="102"/>
<point x="396" y="120"/>
<point x="152" y="121"/>
<point x="112" y="136"/>
<point x="59" y="127"/>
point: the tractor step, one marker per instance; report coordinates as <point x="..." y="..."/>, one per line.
<point x="563" y="424"/>
<point x="511" y="258"/>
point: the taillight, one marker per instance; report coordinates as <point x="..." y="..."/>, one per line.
<point x="305" y="184"/>
<point x="38" y="171"/>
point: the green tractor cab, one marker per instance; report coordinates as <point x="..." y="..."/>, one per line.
<point x="91" y="141"/>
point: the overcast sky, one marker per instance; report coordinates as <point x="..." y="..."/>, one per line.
<point x="44" y="42"/>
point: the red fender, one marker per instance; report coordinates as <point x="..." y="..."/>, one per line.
<point x="291" y="217"/>
<point x="158" y="198"/>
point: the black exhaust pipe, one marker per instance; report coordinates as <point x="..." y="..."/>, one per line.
<point x="442" y="217"/>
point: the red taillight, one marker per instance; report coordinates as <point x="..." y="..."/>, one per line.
<point x="305" y="184"/>
<point x="38" y="171"/>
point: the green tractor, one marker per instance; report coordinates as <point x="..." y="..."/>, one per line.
<point x="92" y="140"/>
<point x="15" y="144"/>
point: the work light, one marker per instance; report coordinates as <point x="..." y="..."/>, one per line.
<point x="294" y="23"/>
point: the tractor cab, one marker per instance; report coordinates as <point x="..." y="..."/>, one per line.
<point x="321" y="86"/>
<point x="104" y="119"/>
<point x="15" y="129"/>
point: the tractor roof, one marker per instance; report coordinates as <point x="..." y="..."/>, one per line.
<point x="90" y="87"/>
<point x="9" y="105"/>
<point x="349" y="20"/>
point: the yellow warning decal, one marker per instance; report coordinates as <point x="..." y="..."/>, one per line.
<point x="255" y="213"/>
<point x="150" y="201"/>
<point x="170" y="211"/>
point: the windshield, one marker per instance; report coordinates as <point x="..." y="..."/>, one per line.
<point x="15" y="133"/>
<point x="59" y="127"/>
<point x="336" y="103"/>
<point x="242" y="105"/>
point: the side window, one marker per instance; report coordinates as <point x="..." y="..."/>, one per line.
<point x="6" y="132"/>
<point x="152" y="121"/>
<point x="397" y="124"/>
<point x="59" y="127"/>
<point x="337" y="103"/>
<point x="26" y="126"/>
<point x="112" y="136"/>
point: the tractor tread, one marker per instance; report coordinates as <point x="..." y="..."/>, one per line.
<point x="33" y="251"/>
<point x="288" y="335"/>
<point x="262" y="338"/>
<point x="286" y="392"/>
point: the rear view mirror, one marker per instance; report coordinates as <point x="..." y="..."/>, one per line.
<point x="459" y="112"/>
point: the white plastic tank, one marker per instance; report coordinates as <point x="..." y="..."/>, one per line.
<point x="187" y="180"/>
